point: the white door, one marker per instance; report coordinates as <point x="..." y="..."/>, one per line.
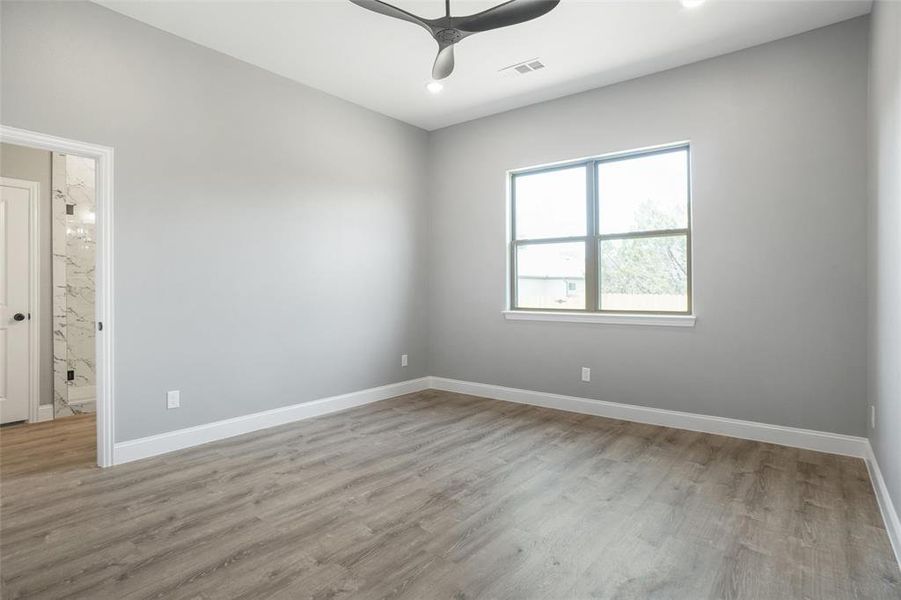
<point x="15" y="204"/>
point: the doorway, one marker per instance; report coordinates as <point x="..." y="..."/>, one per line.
<point x="47" y="317"/>
<point x="56" y="295"/>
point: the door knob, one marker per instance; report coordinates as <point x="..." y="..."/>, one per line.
<point x="18" y="317"/>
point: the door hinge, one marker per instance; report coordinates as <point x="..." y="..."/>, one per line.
<point x="99" y="325"/>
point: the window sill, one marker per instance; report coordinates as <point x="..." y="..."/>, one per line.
<point x="602" y="318"/>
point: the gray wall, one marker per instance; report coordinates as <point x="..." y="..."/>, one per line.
<point x="779" y="163"/>
<point x="268" y="237"/>
<point x="34" y="165"/>
<point x="885" y="242"/>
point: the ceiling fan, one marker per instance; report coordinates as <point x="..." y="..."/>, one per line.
<point x="448" y="30"/>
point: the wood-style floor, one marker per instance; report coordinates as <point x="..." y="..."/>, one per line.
<point x="438" y="495"/>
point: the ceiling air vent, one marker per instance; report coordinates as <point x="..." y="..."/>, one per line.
<point x="522" y="68"/>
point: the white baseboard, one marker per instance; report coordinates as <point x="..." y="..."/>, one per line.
<point x="154" y="445"/>
<point x="45" y="412"/>
<point x="886" y="506"/>
<point x="820" y="441"/>
<point x="81" y="402"/>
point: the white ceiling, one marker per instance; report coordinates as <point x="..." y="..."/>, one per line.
<point x="384" y="64"/>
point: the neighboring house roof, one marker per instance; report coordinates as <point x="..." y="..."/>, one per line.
<point x="551" y="265"/>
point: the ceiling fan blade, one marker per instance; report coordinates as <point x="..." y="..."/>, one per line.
<point x="503" y="15"/>
<point x="444" y="62"/>
<point x="383" y="8"/>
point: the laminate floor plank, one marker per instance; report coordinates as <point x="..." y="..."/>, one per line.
<point x="439" y="495"/>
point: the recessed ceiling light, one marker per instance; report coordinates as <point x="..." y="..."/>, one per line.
<point x="691" y="3"/>
<point x="435" y="87"/>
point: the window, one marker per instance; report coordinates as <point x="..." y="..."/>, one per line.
<point x="605" y="235"/>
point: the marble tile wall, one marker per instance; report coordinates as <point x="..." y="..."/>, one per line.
<point x="73" y="209"/>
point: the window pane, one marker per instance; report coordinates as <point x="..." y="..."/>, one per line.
<point x="551" y="276"/>
<point x="550" y="204"/>
<point x="643" y="193"/>
<point x="644" y="274"/>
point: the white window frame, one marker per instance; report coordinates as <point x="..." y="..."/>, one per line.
<point x="592" y="313"/>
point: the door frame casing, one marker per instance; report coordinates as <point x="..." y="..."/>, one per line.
<point x="103" y="307"/>
<point x="34" y="290"/>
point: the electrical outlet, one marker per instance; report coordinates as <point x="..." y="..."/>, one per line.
<point x="403" y="360"/>
<point x="173" y="399"/>
<point x="872" y="416"/>
<point x="586" y="374"/>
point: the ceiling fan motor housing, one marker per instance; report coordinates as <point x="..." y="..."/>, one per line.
<point x="449" y="36"/>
